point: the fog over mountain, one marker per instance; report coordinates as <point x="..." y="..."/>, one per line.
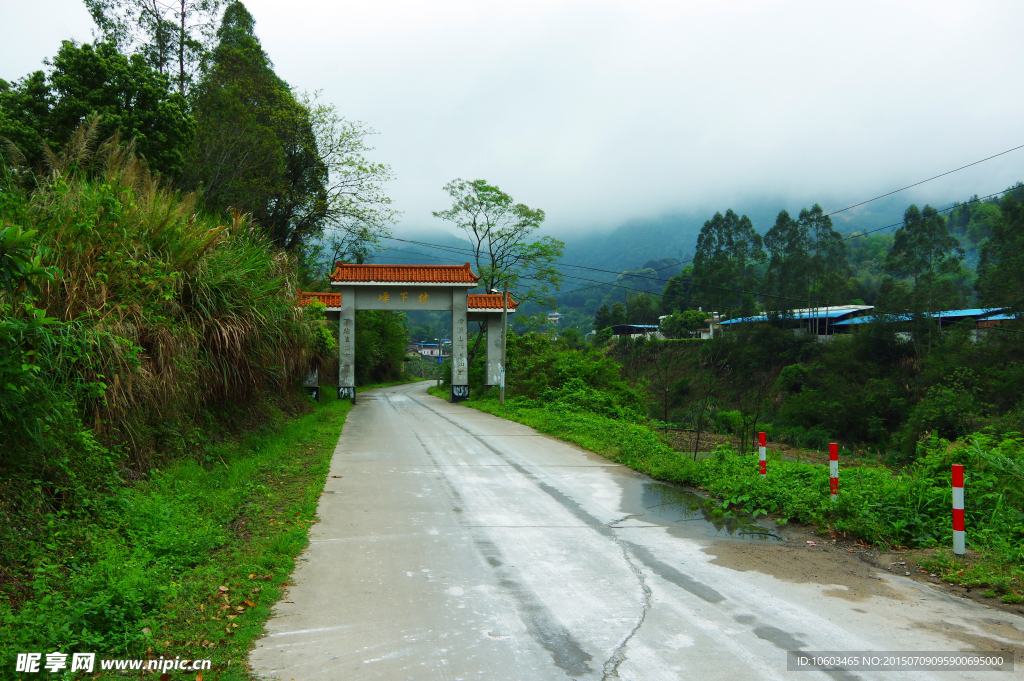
<point x="605" y="113"/>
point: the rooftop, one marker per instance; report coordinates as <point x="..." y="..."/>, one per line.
<point x="489" y="301"/>
<point x="328" y="299"/>
<point x="812" y="313"/>
<point x="403" y="274"/>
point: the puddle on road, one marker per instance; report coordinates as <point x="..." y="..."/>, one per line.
<point x="686" y="513"/>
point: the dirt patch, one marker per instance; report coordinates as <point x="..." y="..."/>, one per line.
<point x="849" y="563"/>
<point x="959" y="633"/>
<point x="825" y="561"/>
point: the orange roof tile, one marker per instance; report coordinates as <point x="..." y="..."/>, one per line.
<point x="404" y="274"/>
<point x="489" y="301"/>
<point x="328" y="299"/>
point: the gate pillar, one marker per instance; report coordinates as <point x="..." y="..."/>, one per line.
<point x="347" y="344"/>
<point x="460" y="352"/>
<point x="494" y="332"/>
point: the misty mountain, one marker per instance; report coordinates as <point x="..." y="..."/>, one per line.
<point x="635" y="242"/>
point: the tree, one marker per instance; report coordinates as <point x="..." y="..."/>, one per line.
<point x="293" y="163"/>
<point x="788" y="263"/>
<point x="826" y="251"/>
<point x="356" y="210"/>
<point x="678" y="293"/>
<point x="174" y="37"/>
<point x="686" y="324"/>
<point x="619" y="313"/>
<point x="1001" y="270"/>
<point x="642" y="309"/>
<point x="603" y="318"/>
<point x="131" y="98"/>
<point x="499" y="231"/>
<point x="922" y="250"/>
<point x="728" y="250"/>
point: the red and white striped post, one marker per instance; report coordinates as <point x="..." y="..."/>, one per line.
<point x="958" y="510"/>
<point x="762" y="454"/>
<point x="833" y="469"/>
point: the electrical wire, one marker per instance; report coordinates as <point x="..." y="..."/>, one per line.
<point x="858" y="235"/>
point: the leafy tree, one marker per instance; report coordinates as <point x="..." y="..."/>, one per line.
<point x="619" y="314"/>
<point x="1001" y="270"/>
<point x="355" y="209"/>
<point x="678" y="293"/>
<point x="174" y="37"/>
<point x="40" y="111"/>
<point x="292" y="162"/>
<point x="380" y="341"/>
<point x="724" y="266"/>
<point x="641" y="309"/>
<point x="500" y="232"/>
<point x="826" y="252"/>
<point x="603" y="318"/>
<point x="686" y="324"/>
<point x="923" y="249"/>
<point x="788" y="263"/>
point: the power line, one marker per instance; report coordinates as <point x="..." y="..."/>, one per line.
<point x="849" y="238"/>
<point x="950" y="172"/>
<point x="858" y="235"/>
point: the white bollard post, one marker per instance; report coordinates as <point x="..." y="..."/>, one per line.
<point x="959" y="547"/>
<point x="762" y="454"/>
<point x="833" y="466"/>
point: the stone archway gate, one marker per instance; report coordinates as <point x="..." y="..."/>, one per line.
<point x="407" y="288"/>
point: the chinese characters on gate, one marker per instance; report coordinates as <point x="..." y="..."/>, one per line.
<point x="385" y="297"/>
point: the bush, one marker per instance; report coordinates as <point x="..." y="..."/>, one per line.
<point x="728" y="423"/>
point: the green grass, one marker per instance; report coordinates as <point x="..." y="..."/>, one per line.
<point x="908" y="509"/>
<point x="188" y="562"/>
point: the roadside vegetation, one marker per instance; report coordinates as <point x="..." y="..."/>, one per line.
<point x="586" y="395"/>
<point x="159" y="461"/>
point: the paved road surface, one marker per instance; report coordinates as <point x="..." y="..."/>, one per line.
<point x="456" y="545"/>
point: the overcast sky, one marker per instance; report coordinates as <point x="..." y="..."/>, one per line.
<point x="601" y="112"/>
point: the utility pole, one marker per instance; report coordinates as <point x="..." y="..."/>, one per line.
<point x="504" y="335"/>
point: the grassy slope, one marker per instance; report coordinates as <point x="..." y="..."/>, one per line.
<point x="873" y="503"/>
<point x="190" y="561"/>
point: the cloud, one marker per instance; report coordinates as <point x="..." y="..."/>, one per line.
<point x="600" y="112"/>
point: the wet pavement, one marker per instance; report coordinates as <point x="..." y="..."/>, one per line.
<point x="456" y="545"/>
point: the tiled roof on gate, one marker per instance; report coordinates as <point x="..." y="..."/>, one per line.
<point x="489" y="301"/>
<point x="328" y="299"/>
<point x="404" y="274"/>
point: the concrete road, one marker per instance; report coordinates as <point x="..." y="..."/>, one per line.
<point x="456" y="545"/>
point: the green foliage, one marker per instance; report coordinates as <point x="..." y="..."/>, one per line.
<point x="173" y="38"/>
<point x="44" y="111"/>
<point x="685" y="324"/>
<point x="501" y="234"/>
<point x="728" y="251"/>
<point x="1001" y="270"/>
<point x="380" y="341"/>
<point x="325" y="340"/>
<point x="146" y="562"/>
<point x="728" y="422"/>
<point x="679" y="293"/>
<point x="924" y="250"/>
<point x="541" y="369"/>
